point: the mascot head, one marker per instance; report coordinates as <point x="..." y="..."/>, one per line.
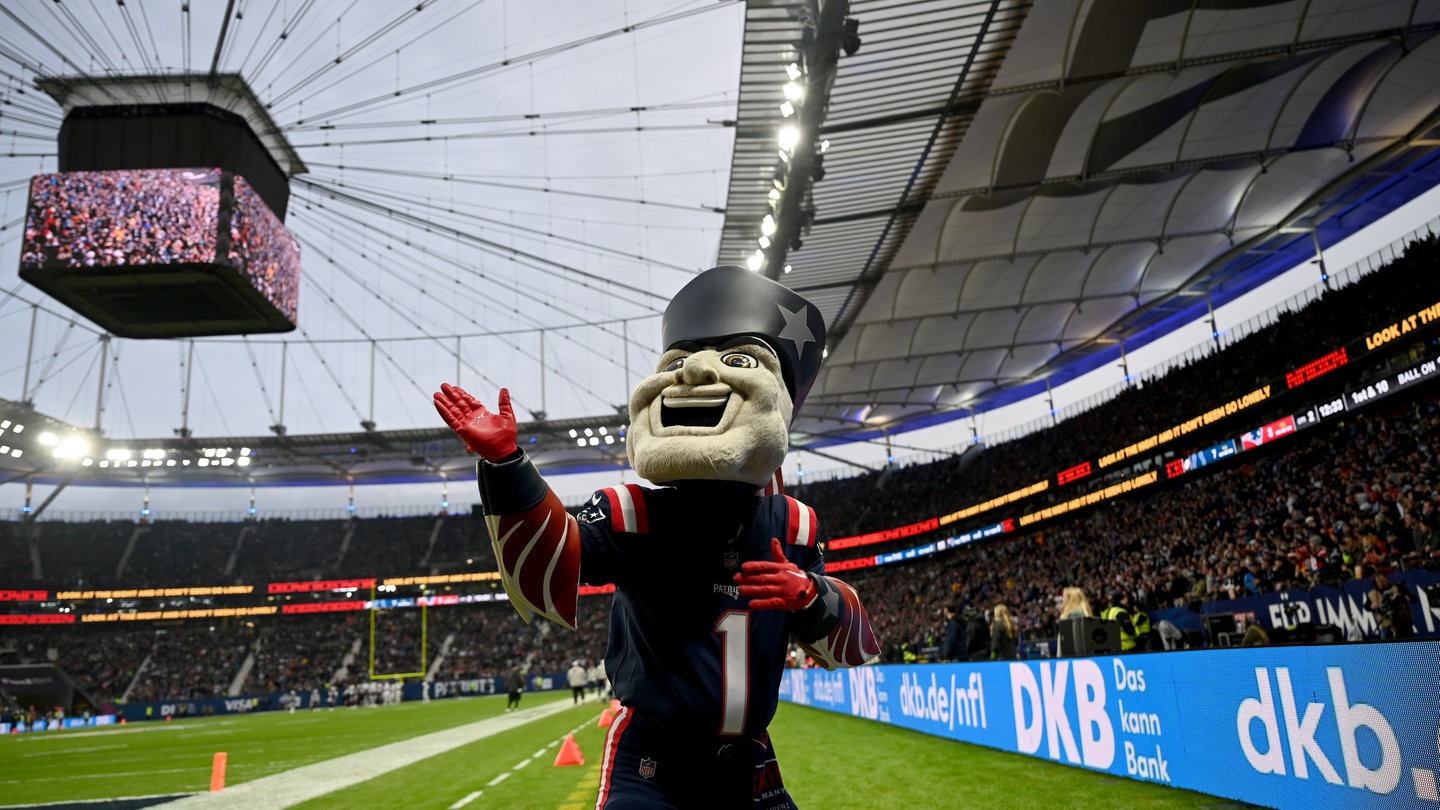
<point x="741" y="352"/>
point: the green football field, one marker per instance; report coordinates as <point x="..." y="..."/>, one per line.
<point x="468" y="753"/>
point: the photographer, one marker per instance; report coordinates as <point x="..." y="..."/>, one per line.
<point x="1391" y="605"/>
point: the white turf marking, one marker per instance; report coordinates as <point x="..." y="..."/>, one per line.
<point x="69" y="751"/>
<point x="311" y="781"/>
<point x="497" y="780"/>
<point x="522" y="763"/>
<point x="472" y="797"/>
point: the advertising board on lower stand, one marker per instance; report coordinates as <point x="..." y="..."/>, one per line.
<point x="1350" y="725"/>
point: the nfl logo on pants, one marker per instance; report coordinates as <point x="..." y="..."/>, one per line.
<point x="647" y="768"/>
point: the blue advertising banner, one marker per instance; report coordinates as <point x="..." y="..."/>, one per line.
<point x="1344" y="607"/>
<point x="1304" y="726"/>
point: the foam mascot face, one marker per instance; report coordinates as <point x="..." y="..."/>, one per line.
<point x="741" y="352"/>
<point x="717" y="413"/>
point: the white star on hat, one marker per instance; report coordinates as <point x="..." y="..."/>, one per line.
<point x="796" y="330"/>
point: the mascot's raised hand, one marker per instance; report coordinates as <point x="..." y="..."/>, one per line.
<point x="489" y="435"/>
<point x="535" y="542"/>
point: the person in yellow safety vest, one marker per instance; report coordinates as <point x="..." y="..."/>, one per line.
<point x="1144" y="638"/>
<point x="1119" y="613"/>
<point x="907" y="654"/>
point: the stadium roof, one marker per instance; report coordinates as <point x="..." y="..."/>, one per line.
<point x="1016" y="193"/>
<point x="995" y="198"/>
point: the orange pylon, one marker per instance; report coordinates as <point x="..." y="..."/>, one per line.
<point x="606" y="718"/>
<point x="569" y="753"/>
<point x="217" y="772"/>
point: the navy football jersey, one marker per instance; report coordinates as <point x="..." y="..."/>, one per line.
<point x="684" y="648"/>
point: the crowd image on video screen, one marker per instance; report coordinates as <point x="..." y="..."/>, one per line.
<point x="121" y="218"/>
<point x="262" y="248"/>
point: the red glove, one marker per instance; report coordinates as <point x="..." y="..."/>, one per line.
<point x="777" y="585"/>
<point x="492" y="435"/>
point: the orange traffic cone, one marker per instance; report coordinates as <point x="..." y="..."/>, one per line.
<point x="606" y="718"/>
<point x="569" y="753"/>
<point x="615" y="705"/>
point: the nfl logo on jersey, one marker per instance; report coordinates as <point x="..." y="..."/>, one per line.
<point x="647" y="768"/>
<point x="732" y="559"/>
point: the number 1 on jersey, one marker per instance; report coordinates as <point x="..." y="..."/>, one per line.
<point x="734" y="631"/>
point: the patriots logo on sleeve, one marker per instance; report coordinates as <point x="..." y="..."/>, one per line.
<point x="591" y="513"/>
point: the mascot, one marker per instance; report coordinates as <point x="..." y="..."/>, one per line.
<point x="712" y="575"/>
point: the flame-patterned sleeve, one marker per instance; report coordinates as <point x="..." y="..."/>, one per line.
<point x="834" y="629"/>
<point x="849" y="640"/>
<point x="536" y="542"/>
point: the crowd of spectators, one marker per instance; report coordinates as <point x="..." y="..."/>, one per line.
<point x="893" y="497"/>
<point x="177" y="554"/>
<point x="1348" y="504"/>
<point x="101" y="661"/>
<point x="382" y="545"/>
<point x="262" y="249"/>
<point x="284" y="550"/>
<point x="195" y="661"/>
<point x="116" y="218"/>
<point x="302" y="653"/>
<point x="399" y="634"/>
<point x="76" y="555"/>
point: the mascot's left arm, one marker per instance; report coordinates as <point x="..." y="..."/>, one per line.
<point x="536" y="542"/>
<point x="826" y="614"/>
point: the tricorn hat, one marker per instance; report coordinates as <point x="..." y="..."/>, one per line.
<point x="728" y="301"/>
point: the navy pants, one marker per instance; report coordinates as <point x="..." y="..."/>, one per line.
<point x="646" y="768"/>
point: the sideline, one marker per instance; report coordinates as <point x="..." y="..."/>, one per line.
<point x="312" y="781"/>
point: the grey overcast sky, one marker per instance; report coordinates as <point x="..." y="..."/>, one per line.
<point x="491" y="184"/>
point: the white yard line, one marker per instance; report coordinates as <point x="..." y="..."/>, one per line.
<point x="312" y="781"/>
<point x="472" y="797"/>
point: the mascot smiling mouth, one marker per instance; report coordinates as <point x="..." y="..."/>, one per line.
<point x="676" y="411"/>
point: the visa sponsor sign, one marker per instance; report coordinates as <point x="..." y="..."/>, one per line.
<point x="1318" y="726"/>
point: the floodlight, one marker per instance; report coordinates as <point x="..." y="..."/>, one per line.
<point x="72" y="447"/>
<point x="789" y="135"/>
